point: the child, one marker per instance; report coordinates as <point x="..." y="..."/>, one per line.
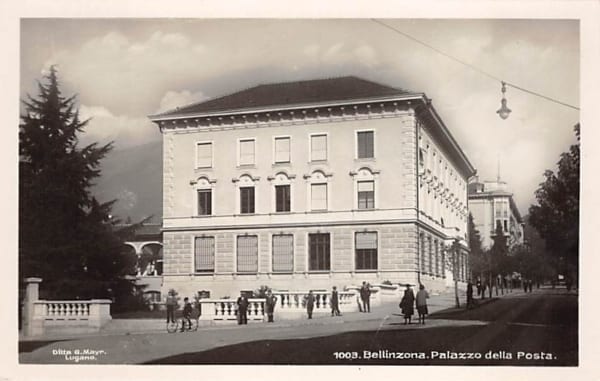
<point x="187" y="313"/>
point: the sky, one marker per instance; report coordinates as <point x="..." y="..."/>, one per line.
<point x="126" y="69"/>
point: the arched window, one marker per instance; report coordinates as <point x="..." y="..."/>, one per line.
<point x="204" y="193"/>
<point x="246" y="192"/>
<point x="319" y="191"/>
<point x="282" y="192"/>
<point x="365" y="188"/>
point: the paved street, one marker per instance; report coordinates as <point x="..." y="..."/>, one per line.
<point x="519" y="329"/>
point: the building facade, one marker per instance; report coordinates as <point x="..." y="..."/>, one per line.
<point x="491" y="204"/>
<point x="306" y="185"/>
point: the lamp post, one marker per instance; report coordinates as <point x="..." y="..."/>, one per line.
<point x="503" y="111"/>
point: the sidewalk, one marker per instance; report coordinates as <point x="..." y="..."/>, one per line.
<point x="151" y="341"/>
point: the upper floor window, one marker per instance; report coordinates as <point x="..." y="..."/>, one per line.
<point x="282" y="149"/>
<point x="204" y="155"/>
<point x="366" y="194"/>
<point x="247" y="148"/>
<point x="282" y="198"/>
<point x="318" y="147"/>
<point x="246" y="200"/>
<point x="318" y="196"/>
<point x="204" y="202"/>
<point x="365" y="144"/>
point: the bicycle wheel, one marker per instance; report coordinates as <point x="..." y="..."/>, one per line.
<point x="194" y="325"/>
<point x="172" y="326"/>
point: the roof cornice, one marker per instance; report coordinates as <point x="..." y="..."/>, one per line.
<point x="293" y="106"/>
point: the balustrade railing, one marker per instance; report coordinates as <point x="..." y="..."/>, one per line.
<point x="287" y="302"/>
<point x="56" y="309"/>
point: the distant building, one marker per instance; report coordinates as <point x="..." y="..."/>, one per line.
<point x="146" y="245"/>
<point x="491" y="203"/>
<point x="305" y="185"/>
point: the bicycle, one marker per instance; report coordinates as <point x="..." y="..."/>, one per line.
<point x="174" y="326"/>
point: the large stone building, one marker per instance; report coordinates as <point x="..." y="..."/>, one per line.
<point x="305" y="185"/>
<point x="491" y="204"/>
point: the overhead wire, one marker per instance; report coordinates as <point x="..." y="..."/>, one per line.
<point x="480" y="71"/>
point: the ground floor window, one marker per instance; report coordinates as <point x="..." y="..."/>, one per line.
<point x="247" y="254"/>
<point x="366" y="251"/>
<point x="319" y="252"/>
<point x="204" y="254"/>
<point x="283" y="253"/>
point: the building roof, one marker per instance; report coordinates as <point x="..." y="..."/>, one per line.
<point x="291" y="93"/>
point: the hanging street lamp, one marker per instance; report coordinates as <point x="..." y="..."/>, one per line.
<point x="503" y="111"/>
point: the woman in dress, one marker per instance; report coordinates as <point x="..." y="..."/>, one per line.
<point x="422" y="297"/>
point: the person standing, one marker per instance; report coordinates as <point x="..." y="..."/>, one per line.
<point x="171" y="306"/>
<point x="407" y="304"/>
<point x="422" y="297"/>
<point x="270" y="305"/>
<point x="242" y="303"/>
<point x="187" y="314"/>
<point x="469" y="295"/>
<point x="310" y="304"/>
<point x="335" y="302"/>
<point x="365" y="296"/>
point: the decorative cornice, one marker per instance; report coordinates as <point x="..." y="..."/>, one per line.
<point x="284" y="117"/>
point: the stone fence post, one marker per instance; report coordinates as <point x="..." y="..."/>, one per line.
<point x="31" y="325"/>
<point x="99" y="312"/>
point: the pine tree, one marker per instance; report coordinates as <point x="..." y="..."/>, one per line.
<point x="66" y="236"/>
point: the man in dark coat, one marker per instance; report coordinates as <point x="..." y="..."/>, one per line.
<point x="310" y="304"/>
<point x="242" y="303"/>
<point x="407" y="304"/>
<point x="335" y="302"/>
<point x="270" y="302"/>
<point x="469" y="295"/>
<point x="365" y="296"/>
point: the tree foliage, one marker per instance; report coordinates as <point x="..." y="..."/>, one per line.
<point x="477" y="257"/>
<point x="556" y="215"/>
<point x="66" y="236"/>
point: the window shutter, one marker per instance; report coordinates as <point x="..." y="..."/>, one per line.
<point x="283" y="252"/>
<point x="205" y="254"/>
<point x="282" y="150"/>
<point x="318" y="147"/>
<point x="319" y="196"/>
<point x="247" y="254"/>
<point x="204" y="155"/>
<point x="246" y="152"/>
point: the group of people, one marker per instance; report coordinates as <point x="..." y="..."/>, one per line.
<point x="407" y="304"/>
<point x="172" y="306"/>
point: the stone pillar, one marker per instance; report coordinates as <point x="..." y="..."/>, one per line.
<point x="99" y="312"/>
<point x="31" y="325"/>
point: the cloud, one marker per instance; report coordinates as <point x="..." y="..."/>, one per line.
<point x="125" y="131"/>
<point x="174" y="99"/>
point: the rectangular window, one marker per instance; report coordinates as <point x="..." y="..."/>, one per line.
<point x="366" y="251"/>
<point x="430" y="255"/>
<point x="247" y="152"/>
<point x="505" y="225"/>
<point x="247" y="200"/>
<point x="282" y="150"/>
<point x="204" y="254"/>
<point x="366" y="147"/>
<point x="366" y="195"/>
<point x="204" y="202"/>
<point x="247" y="254"/>
<point x="283" y="253"/>
<point x="319" y="252"/>
<point x="204" y="155"/>
<point x="318" y="147"/>
<point x="318" y="195"/>
<point x="282" y="198"/>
